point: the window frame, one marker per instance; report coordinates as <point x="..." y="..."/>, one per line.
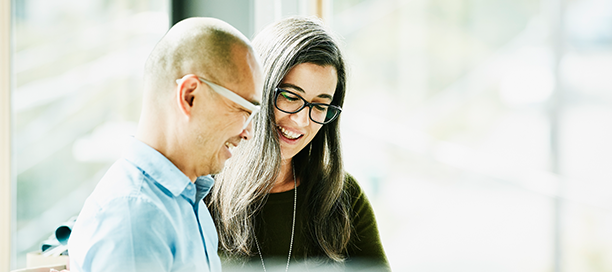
<point x="6" y="181"/>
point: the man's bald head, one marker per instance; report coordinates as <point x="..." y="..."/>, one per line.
<point x="191" y="123"/>
<point x="203" y="46"/>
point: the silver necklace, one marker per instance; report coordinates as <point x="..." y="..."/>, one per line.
<point x="292" y="227"/>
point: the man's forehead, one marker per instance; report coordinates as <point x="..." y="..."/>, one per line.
<point x="247" y="74"/>
<point x="257" y="82"/>
<point x="253" y="95"/>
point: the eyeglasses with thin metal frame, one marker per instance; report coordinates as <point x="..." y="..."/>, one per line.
<point x="331" y="111"/>
<point x="231" y="96"/>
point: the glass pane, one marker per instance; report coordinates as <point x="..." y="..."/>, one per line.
<point x="78" y="67"/>
<point x="585" y="135"/>
<point x="447" y="125"/>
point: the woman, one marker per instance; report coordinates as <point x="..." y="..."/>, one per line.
<point x="285" y="194"/>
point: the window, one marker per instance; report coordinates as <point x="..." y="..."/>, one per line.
<point x="77" y="68"/>
<point x="479" y="152"/>
<point x="480" y="135"/>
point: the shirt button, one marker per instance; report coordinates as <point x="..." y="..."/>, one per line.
<point x="190" y="186"/>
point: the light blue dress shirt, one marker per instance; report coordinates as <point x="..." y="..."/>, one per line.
<point x="145" y="215"/>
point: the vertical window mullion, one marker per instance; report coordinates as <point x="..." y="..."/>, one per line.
<point x="555" y="109"/>
<point x="6" y="197"/>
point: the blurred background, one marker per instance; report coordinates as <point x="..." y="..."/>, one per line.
<point x="481" y="130"/>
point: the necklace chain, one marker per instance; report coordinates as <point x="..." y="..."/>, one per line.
<point x="292" y="227"/>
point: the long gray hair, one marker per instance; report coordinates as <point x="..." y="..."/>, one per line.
<point x="241" y="189"/>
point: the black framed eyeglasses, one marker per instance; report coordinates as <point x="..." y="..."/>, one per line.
<point x="290" y="102"/>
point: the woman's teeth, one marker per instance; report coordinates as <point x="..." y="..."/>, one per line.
<point x="289" y="134"/>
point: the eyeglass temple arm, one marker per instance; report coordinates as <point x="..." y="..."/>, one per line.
<point x="227" y="93"/>
<point x="232" y="96"/>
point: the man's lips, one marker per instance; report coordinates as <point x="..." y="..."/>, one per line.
<point x="230" y="146"/>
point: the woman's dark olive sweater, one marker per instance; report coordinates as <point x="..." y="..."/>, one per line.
<point x="273" y="229"/>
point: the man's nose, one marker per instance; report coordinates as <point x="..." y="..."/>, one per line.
<point x="247" y="132"/>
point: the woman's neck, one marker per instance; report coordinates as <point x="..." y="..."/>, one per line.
<point x="284" y="181"/>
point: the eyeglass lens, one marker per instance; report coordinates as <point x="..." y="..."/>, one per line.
<point x="292" y="103"/>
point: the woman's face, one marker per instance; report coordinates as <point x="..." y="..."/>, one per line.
<point x="316" y="84"/>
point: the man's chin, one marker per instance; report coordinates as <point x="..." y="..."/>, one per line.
<point x="216" y="169"/>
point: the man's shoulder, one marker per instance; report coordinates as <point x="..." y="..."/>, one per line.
<point x="121" y="205"/>
<point x="123" y="221"/>
<point x="123" y="184"/>
<point x="122" y="179"/>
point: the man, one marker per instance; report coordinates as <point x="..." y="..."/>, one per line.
<point x="147" y="214"/>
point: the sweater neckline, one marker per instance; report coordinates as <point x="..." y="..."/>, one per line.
<point x="282" y="197"/>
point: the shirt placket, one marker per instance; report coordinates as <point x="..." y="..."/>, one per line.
<point x="197" y="210"/>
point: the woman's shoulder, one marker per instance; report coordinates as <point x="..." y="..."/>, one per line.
<point x="350" y="184"/>
<point x="353" y="189"/>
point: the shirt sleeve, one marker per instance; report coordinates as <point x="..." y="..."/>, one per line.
<point x="126" y="234"/>
<point x="365" y="248"/>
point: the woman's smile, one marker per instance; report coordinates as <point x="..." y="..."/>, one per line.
<point x="290" y="135"/>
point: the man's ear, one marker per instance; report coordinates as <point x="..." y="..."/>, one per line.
<point x="185" y="93"/>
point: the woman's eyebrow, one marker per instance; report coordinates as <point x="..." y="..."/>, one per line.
<point x="299" y="89"/>
<point x="327" y="96"/>
<point x="289" y="85"/>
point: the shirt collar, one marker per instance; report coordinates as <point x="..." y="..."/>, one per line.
<point x="156" y="166"/>
<point x="203" y="185"/>
<point x="164" y="172"/>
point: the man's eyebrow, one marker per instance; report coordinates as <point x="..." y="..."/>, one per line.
<point x="250" y="101"/>
<point x="299" y="89"/>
